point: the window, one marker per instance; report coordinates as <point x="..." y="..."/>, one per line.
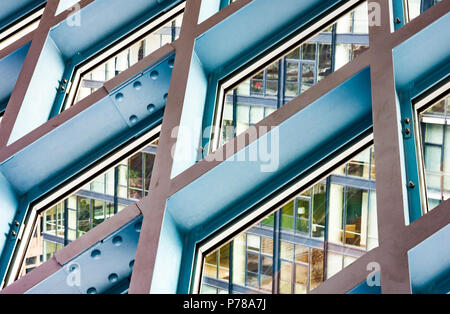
<point x="302" y="67"/>
<point x="414" y="8"/>
<point x="435" y="138"/>
<point x="322" y="230"/>
<point x="92" y="76"/>
<point x="21" y="28"/>
<point x="94" y="203"/>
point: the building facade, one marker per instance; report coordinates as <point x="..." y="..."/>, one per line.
<point x="144" y="140"/>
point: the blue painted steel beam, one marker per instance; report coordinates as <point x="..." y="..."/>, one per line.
<point x="413" y="77"/>
<point x="89" y="136"/>
<point x="103" y="268"/>
<point x="333" y="121"/>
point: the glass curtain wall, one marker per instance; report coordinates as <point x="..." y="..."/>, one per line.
<point x="413" y="8"/>
<point x="435" y="132"/>
<point x="88" y="207"/>
<point x="319" y="232"/>
<point x="286" y="78"/>
<point x="94" y="78"/>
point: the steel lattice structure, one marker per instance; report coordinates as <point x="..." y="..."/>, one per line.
<point x="373" y="94"/>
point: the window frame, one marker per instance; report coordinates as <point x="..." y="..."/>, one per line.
<point x="419" y="105"/>
<point x="63" y="191"/>
<point x="114" y="49"/>
<point x="265" y="59"/>
<point x="271" y="204"/>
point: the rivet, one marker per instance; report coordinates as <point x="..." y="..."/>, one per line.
<point x="133" y="119"/>
<point x="411" y="184"/>
<point x="131" y="264"/>
<point x="407" y="120"/>
<point x="119" y="97"/>
<point x="137" y="85"/>
<point x="13" y="233"/>
<point x="73" y="267"/>
<point x="154" y="75"/>
<point x="113" y="278"/>
<point x="138" y="226"/>
<point x="95" y="254"/>
<point x="407" y="131"/>
<point x="91" y="290"/>
<point x="16" y="223"/>
<point x="62" y="87"/>
<point x="151" y="108"/>
<point x="117" y="240"/>
<point x="397" y="20"/>
<point x="171" y="63"/>
<point x="64" y="81"/>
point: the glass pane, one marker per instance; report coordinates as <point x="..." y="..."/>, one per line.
<point x="253" y="242"/>
<point x="433" y="133"/>
<point x="308" y="73"/>
<point x="287" y="250"/>
<point x="309" y="51"/>
<point x="324" y="61"/>
<point x="319" y="210"/>
<point x="303" y="215"/>
<point x="224" y="262"/>
<point x="301" y="254"/>
<point x="301" y="278"/>
<point x="292" y="71"/>
<point x="294" y="54"/>
<point x="252" y="262"/>
<point x="210" y="267"/>
<point x="272" y="71"/>
<point x="359" y="166"/>
<point x="356" y="205"/>
<point x="256" y="86"/>
<point x="334" y="263"/>
<point x="316" y="268"/>
<point x="83" y="215"/>
<point x="239" y="262"/>
<point x="286" y="277"/>
<point x="99" y="212"/>
<point x="436" y="152"/>
<point x="287" y="216"/>
<point x="352" y="221"/>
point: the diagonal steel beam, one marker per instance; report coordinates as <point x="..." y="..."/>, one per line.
<point x="153" y="206"/>
<point x="29" y="66"/>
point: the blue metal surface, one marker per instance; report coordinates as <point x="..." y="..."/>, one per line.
<point x="10" y="67"/>
<point x="208" y="8"/>
<point x="98" y="269"/>
<point x="429" y="264"/>
<point x="10" y="11"/>
<point x="398" y="16"/>
<point x="98" y="28"/>
<point x="234" y="42"/>
<point x="205" y="205"/>
<point x="414" y="76"/>
<point x="236" y="38"/>
<point x="87" y="137"/>
<point x="364" y="288"/>
<point x="433" y="43"/>
<point x="37" y="103"/>
<point x="89" y="38"/>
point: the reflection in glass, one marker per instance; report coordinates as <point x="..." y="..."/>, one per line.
<point x="127" y="57"/>
<point x="283" y="79"/>
<point x="88" y="207"/>
<point x="435" y="140"/>
<point x="332" y="210"/>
